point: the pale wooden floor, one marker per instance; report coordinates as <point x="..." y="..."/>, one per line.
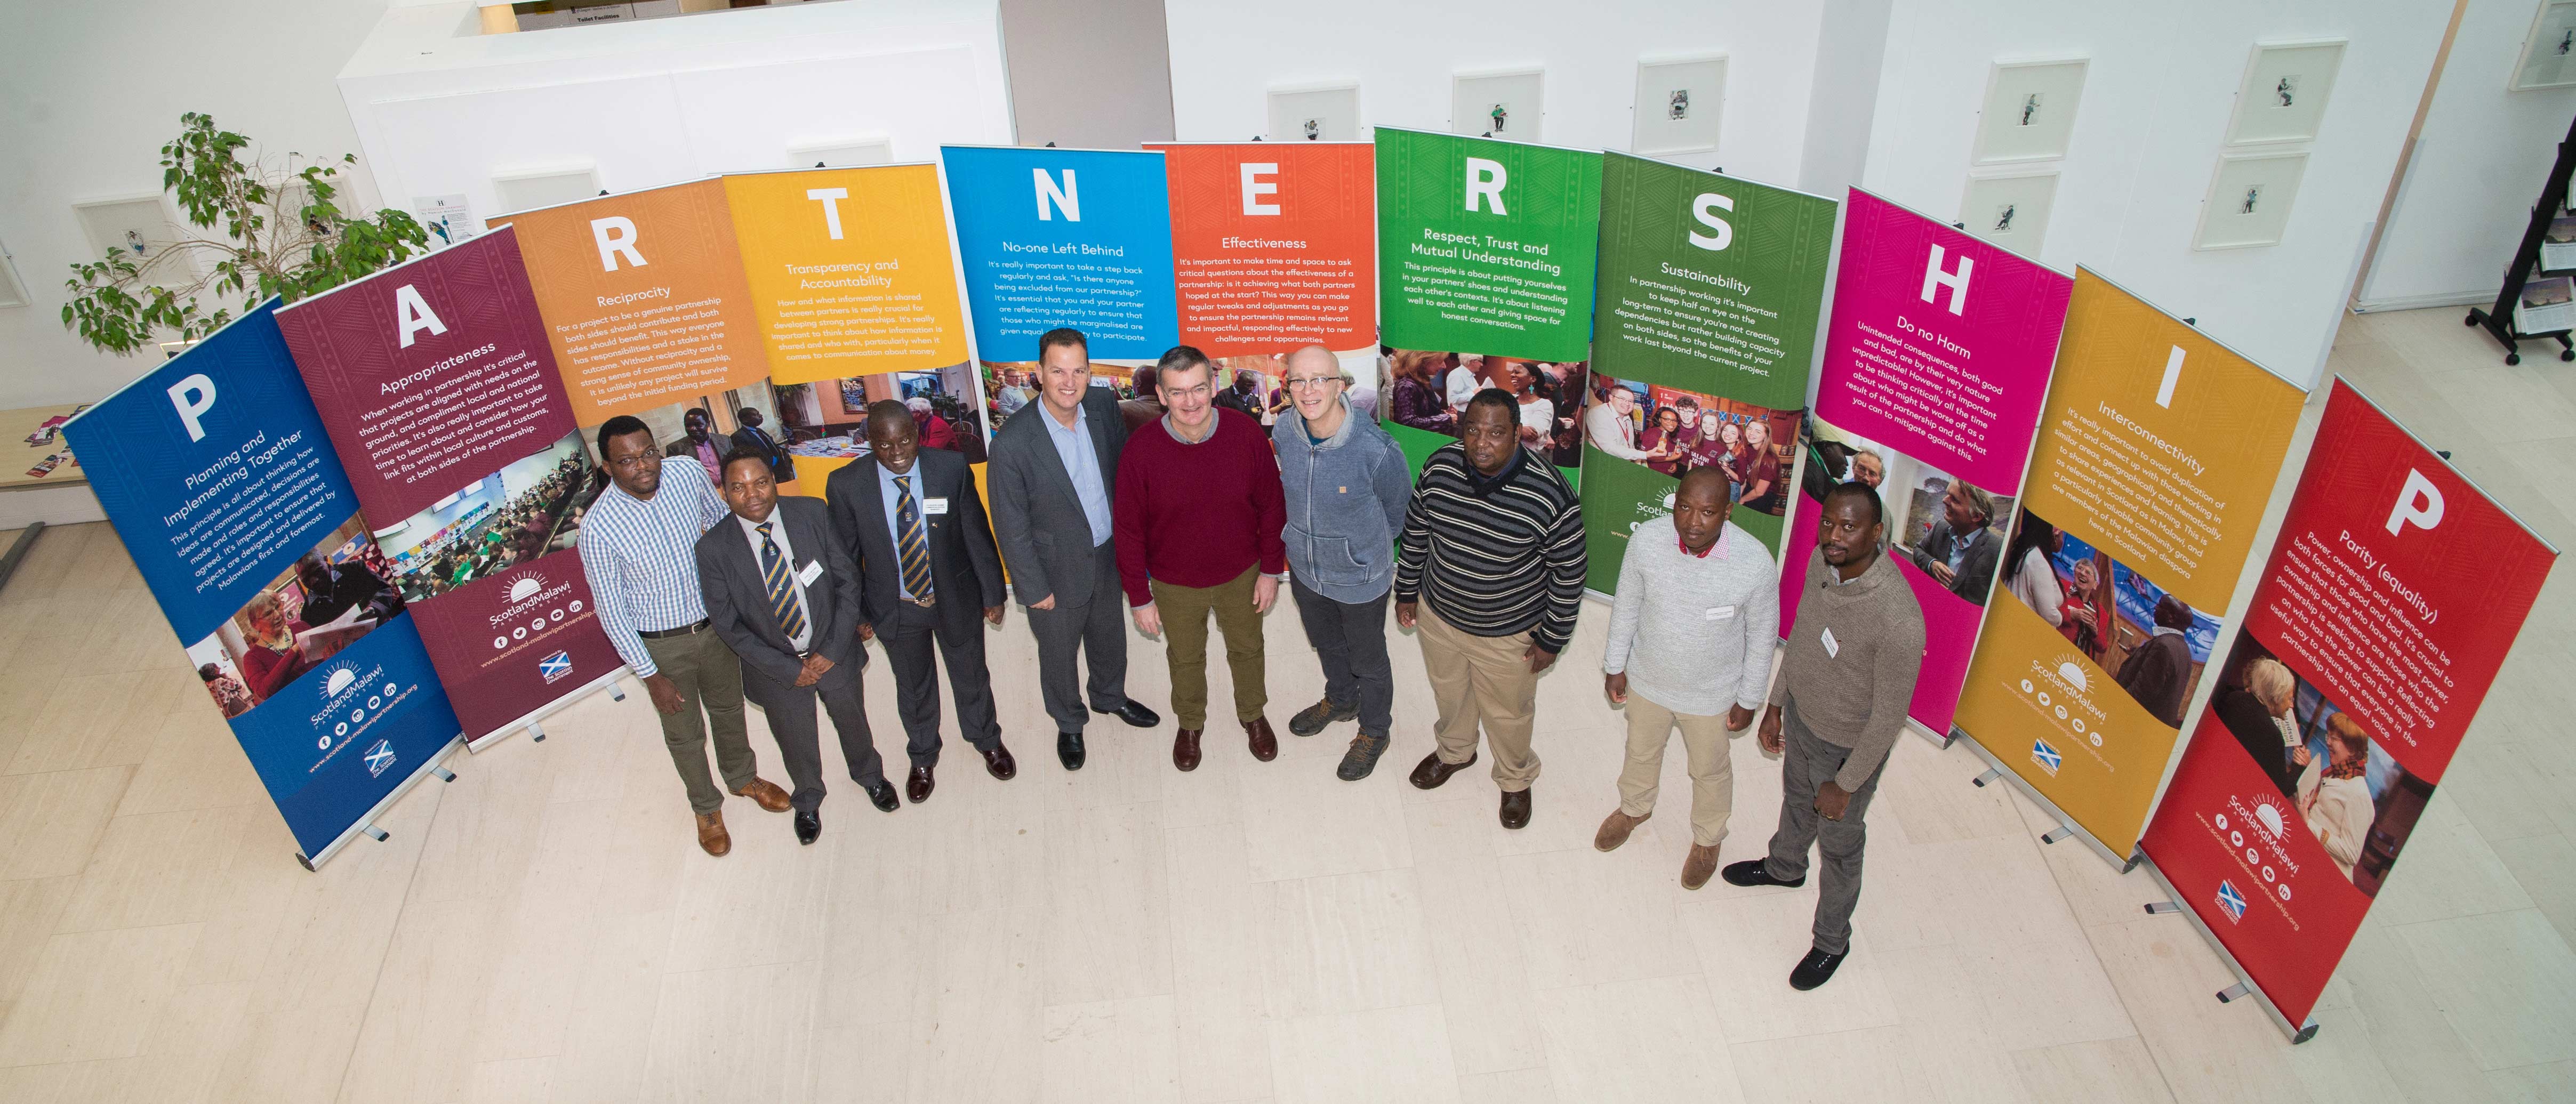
<point x="545" y="929"/>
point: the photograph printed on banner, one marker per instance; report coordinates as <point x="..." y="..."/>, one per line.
<point x="828" y="418"/>
<point x="1431" y="389"/>
<point x="332" y="595"/>
<point x="1011" y="386"/>
<point x="531" y="507"/>
<point x="2359" y="803"/>
<point x="1675" y="432"/>
<point x="1936" y="524"/>
<point x="2153" y="644"/>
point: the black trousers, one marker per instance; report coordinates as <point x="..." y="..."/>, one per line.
<point x="791" y="720"/>
<point x="1350" y="637"/>
<point x="1098" y="626"/>
<point x="908" y="639"/>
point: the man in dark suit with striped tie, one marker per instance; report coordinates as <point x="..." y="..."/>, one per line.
<point x="927" y="570"/>
<point x="780" y="594"/>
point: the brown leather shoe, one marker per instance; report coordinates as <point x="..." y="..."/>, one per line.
<point x="1185" y="749"/>
<point x="712" y="834"/>
<point x="999" y="764"/>
<point x="918" y="785"/>
<point x="1431" y="772"/>
<point x="1264" y="743"/>
<point x="1696" y="869"/>
<point x="766" y="793"/>
<point x="1614" y="831"/>
<point x="1516" y="808"/>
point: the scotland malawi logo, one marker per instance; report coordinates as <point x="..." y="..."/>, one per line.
<point x="379" y="757"/>
<point x="2047" y="757"/>
<point x="2231" y="901"/>
<point x="555" y="666"/>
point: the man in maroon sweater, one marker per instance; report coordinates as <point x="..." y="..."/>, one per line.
<point x="1197" y="517"/>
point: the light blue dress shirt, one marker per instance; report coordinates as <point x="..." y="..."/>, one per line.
<point x="1082" y="462"/>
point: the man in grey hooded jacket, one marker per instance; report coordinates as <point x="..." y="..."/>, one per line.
<point x="1347" y="487"/>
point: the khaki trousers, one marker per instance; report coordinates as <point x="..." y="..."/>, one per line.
<point x="1712" y="773"/>
<point x="1185" y="613"/>
<point x="707" y="673"/>
<point x="1481" y="680"/>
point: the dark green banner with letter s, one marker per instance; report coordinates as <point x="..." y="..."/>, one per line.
<point x="1711" y="288"/>
<point x="1485" y="280"/>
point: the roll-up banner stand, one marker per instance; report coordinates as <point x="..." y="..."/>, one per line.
<point x="436" y="381"/>
<point x="1485" y="266"/>
<point x="1703" y="332"/>
<point x="1936" y="364"/>
<point x="854" y="287"/>
<point x="1274" y="248"/>
<point x="2156" y="458"/>
<point x="218" y="475"/>
<point x="1062" y="237"/>
<point x="2394" y="590"/>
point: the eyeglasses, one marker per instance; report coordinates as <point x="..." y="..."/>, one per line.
<point x="1313" y="381"/>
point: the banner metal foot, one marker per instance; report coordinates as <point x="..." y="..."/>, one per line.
<point x="2233" y="992"/>
<point x="2306" y="1032"/>
<point x="374" y="833"/>
<point x="444" y="774"/>
<point x="1991" y="774"/>
<point x="617" y="691"/>
<point x="2062" y="832"/>
<point x="2160" y="908"/>
<point x="536" y="732"/>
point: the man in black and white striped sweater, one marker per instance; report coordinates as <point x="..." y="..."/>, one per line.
<point x="1489" y="573"/>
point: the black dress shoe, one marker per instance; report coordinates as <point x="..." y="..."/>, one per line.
<point x="881" y="794"/>
<point x="809" y="825"/>
<point x="1431" y="772"/>
<point x="1815" y="969"/>
<point x="1516" y="808"/>
<point x="1134" y="713"/>
<point x="1757" y="872"/>
<point x="999" y="764"/>
<point x="1068" y="750"/>
<point x="918" y="785"/>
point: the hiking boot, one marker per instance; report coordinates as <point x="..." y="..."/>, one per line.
<point x="1362" y="758"/>
<point x="1313" y="718"/>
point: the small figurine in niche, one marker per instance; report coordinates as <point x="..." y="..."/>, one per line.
<point x="2286" y="90"/>
<point x="1679" y="108"/>
<point x="2567" y="42"/>
<point x="2029" y="108"/>
<point x="2004" y="217"/>
<point x="1499" y="113"/>
<point x="1314" y="129"/>
<point x="2253" y="195"/>
<point x="134" y="241"/>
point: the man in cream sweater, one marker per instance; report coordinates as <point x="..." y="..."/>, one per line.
<point x="1845" y="680"/>
<point x="1690" y="647"/>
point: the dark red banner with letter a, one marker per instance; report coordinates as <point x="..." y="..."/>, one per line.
<point x="2394" y="590"/>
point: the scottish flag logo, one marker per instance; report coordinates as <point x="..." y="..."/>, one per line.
<point x="379" y="757"/>
<point x="2231" y="901"/>
<point x="555" y="666"/>
<point x="2047" y="757"/>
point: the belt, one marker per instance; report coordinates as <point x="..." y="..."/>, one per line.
<point x="924" y="603"/>
<point x="698" y="626"/>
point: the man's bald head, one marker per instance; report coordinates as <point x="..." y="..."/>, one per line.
<point x="1704" y="481"/>
<point x="1320" y="358"/>
<point x="888" y="413"/>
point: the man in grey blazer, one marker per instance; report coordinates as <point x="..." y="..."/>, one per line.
<point x="927" y="570"/>
<point x="1051" y="478"/>
<point x="1959" y="552"/>
<point x="780" y="593"/>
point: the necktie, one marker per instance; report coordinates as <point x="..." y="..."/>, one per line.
<point x="910" y="544"/>
<point x="782" y="586"/>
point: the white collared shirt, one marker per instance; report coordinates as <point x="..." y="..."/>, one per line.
<point x="804" y="641"/>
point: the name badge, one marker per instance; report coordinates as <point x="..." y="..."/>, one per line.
<point x="813" y="571"/>
<point x="1833" y="647"/>
<point x="934" y="505"/>
<point x="1720" y="613"/>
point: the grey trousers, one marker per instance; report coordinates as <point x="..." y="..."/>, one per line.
<point x="791" y="721"/>
<point x="1098" y="626"/>
<point x="1807" y="763"/>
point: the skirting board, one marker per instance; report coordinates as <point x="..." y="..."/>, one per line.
<point x="2419" y="302"/>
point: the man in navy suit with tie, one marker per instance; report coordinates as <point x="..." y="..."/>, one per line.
<point x="780" y="594"/>
<point x="927" y="571"/>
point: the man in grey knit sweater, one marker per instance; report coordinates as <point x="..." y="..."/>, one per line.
<point x="1846" y="678"/>
<point x="1691" y="631"/>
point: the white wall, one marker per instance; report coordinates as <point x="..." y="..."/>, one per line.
<point x="2153" y="116"/>
<point x="1227" y="55"/>
<point x="662" y="101"/>
<point x="2484" y="154"/>
<point x="88" y="94"/>
<point x="1088" y="75"/>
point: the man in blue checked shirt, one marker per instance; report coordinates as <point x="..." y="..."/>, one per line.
<point x="638" y="550"/>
